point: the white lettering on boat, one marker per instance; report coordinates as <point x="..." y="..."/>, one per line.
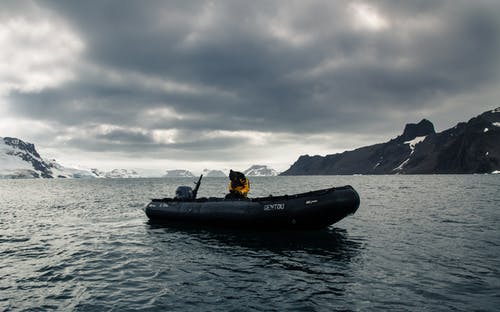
<point x="270" y="207"/>
<point x="308" y="202"/>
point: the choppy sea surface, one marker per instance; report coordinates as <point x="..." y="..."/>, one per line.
<point x="417" y="243"/>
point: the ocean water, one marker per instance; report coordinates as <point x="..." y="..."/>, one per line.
<point x="417" y="243"/>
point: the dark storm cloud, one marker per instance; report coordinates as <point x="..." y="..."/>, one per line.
<point x="297" y="67"/>
<point x="126" y="136"/>
<point x="141" y="145"/>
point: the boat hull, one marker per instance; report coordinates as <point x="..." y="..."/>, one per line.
<point x="312" y="210"/>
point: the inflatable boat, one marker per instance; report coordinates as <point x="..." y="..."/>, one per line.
<point x="311" y="210"/>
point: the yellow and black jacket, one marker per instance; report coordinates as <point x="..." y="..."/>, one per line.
<point x="238" y="184"/>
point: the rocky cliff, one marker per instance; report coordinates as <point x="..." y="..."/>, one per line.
<point x="469" y="147"/>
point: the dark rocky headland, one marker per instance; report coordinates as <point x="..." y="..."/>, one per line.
<point x="469" y="147"/>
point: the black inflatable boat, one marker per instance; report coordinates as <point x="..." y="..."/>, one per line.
<point x="312" y="210"/>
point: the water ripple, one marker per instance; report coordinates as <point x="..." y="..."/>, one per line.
<point x="416" y="243"/>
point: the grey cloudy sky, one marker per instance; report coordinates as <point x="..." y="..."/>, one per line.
<point x="219" y="84"/>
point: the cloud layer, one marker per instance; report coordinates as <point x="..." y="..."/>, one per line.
<point x="255" y="81"/>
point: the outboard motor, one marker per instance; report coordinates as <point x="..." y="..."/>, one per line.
<point x="184" y="192"/>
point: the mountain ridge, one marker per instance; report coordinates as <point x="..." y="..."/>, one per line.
<point x="20" y="159"/>
<point x="469" y="147"/>
<point x="260" y="171"/>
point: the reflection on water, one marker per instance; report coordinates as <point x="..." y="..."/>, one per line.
<point x="332" y="242"/>
<point x="300" y="270"/>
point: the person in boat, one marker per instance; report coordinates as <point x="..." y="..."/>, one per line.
<point x="239" y="186"/>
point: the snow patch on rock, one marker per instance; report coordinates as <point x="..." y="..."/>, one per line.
<point x="412" y="144"/>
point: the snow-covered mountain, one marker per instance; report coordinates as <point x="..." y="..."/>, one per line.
<point x="60" y="171"/>
<point x="19" y="159"/>
<point x="260" y="171"/>
<point x="213" y="173"/>
<point x="116" y="173"/>
<point x="178" y="173"/>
